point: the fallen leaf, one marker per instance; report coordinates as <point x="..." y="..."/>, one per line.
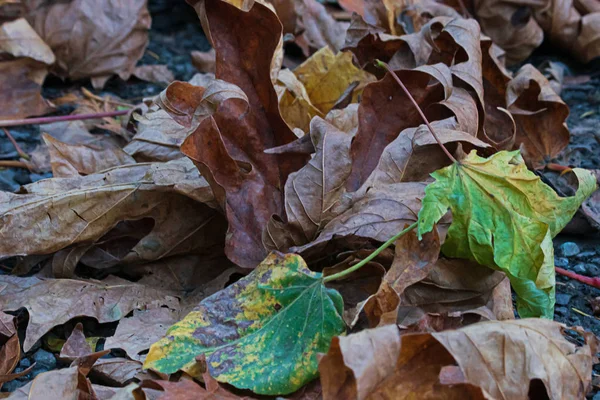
<point x="10" y="348"/>
<point x="267" y="310"/>
<point x="312" y="193"/>
<point x="540" y="116"/>
<point x="18" y="39"/>
<point x="413" y="261"/>
<point x="417" y="365"/>
<point x="517" y="238"/>
<point x="154" y="74"/>
<point x="21" y="82"/>
<point x="326" y="75"/>
<point x="63" y="212"/>
<point x="319" y="28"/>
<point x="294" y="103"/>
<point x="228" y="147"/>
<point x="385" y="111"/>
<point x="105" y="302"/>
<point x="186" y="389"/>
<point x="70" y="160"/>
<point x="76" y="345"/>
<point x="115" y="371"/>
<point x="92" y="40"/>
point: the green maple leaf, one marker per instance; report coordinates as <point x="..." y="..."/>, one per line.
<point x="262" y="333"/>
<point x="504" y="217"/>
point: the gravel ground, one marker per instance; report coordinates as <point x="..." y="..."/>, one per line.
<point x="176" y="32"/>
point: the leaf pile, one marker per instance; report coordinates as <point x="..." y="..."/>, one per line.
<point x="219" y="236"/>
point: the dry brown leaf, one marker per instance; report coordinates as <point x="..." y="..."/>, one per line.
<point x="186" y="389"/>
<point x="10" y="348"/>
<point x="385" y="111"/>
<point x="70" y="160"/>
<point x="105" y="302"/>
<point x="63" y="212"/>
<point x="91" y="39"/>
<point x="319" y="28"/>
<point x="76" y="345"/>
<point x="115" y="371"/>
<point x="228" y="147"/>
<point x="312" y="194"/>
<point x="18" y="39"/>
<point x="481" y="361"/>
<point x="327" y="75"/>
<point x="540" y="116"/>
<point x="21" y="82"/>
<point x="413" y="261"/>
<point x="154" y="74"/>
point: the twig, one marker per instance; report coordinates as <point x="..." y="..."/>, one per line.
<point x="13" y="164"/>
<point x="93" y="96"/>
<point x="18" y="148"/>
<point x="594" y="282"/>
<point x="370" y="257"/>
<point x="60" y="118"/>
<point x="399" y="81"/>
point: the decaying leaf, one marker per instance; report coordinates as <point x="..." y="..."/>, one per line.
<point x="154" y="74"/>
<point x="10" y="348"/>
<point x="92" y="40"/>
<point x="21" y="81"/>
<point x="481" y="361"/>
<point x="504" y="217"/>
<point x="78" y="298"/>
<point x="261" y="333"/>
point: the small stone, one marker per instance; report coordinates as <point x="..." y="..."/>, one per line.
<point x="25" y="363"/>
<point x="44" y="360"/>
<point x="569" y="249"/>
<point x="580" y="269"/>
<point x="585" y="254"/>
<point x="561" y="262"/>
<point x="563" y="299"/>
<point x="592" y="270"/>
<point x="596" y="396"/>
<point x="561" y="311"/>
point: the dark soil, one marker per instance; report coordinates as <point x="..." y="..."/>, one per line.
<point x="176" y="32"/>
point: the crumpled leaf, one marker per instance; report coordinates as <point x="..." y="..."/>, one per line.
<point x="78" y="298"/>
<point x="62" y="212"/>
<point x="313" y="192"/>
<point x="385" y="111"/>
<point x="481" y="361"/>
<point x="326" y="75"/>
<point x="540" y="115"/>
<point x="10" y="349"/>
<point x="294" y="103"/>
<point x="70" y="160"/>
<point x="319" y="28"/>
<point x="91" y="39"/>
<point x="116" y="371"/>
<point x="228" y="147"/>
<point x="261" y="333"/>
<point x="504" y="217"/>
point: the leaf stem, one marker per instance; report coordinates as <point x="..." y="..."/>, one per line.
<point x="371" y="256"/>
<point x="18" y="148"/>
<point x="48" y="120"/>
<point x="412" y="99"/>
<point x="594" y="282"/>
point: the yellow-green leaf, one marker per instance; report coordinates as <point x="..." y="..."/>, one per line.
<point x="504" y="217"/>
<point x="262" y="333"/>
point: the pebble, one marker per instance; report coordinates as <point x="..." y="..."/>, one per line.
<point x="563" y="299"/>
<point x="596" y="396"/>
<point x="585" y="254"/>
<point x="561" y="310"/>
<point x="592" y="270"/>
<point x="45" y="361"/>
<point x="561" y="262"/>
<point x="7" y="182"/>
<point x="580" y="269"/>
<point x="569" y="249"/>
